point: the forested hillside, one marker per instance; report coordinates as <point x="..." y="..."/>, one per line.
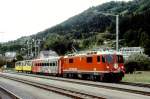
<point x="92" y="29"/>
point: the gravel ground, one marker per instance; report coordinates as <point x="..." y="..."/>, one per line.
<point x="28" y="92"/>
<point x="99" y="83"/>
<point x="3" y="95"/>
<point x="106" y="93"/>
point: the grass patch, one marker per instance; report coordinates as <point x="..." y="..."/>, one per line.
<point x="138" y="76"/>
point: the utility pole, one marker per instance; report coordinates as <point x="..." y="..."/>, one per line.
<point x="117" y="32"/>
<point x="117" y="26"/>
<point x="39" y="42"/>
<point x="35" y="47"/>
<point x="28" y="52"/>
<point x="31" y="52"/>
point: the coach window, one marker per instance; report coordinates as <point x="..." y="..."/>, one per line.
<point x="89" y="59"/>
<point x="70" y="60"/>
<point x="47" y="64"/>
<point x="98" y="58"/>
<point x="51" y="64"/>
<point x="54" y="64"/>
<point x="103" y="59"/>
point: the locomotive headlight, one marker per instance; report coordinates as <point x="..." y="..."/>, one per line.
<point x="107" y="67"/>
<point x="122" y="67"/>
<point x="115" y="65"/>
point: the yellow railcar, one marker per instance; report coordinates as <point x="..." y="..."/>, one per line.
<point x="27" y="67"/>
<point x="19" y="66"/>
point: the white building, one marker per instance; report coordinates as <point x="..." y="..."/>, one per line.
<point x="127" y="51"/>
<point x="10" y="55"/>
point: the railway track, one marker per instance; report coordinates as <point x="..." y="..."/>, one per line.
<point x="57" y="89"/>
<point x="146" y="85"/>
<point x="112" y="86"/>
<point x="136" y="84"/>
<point x="8" y="93"/>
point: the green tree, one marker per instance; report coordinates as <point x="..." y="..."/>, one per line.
<point x="19" y="57"/>
<point x="137" y="62"/>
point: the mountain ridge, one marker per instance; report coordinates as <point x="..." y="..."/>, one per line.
<point x="91" y="29"/>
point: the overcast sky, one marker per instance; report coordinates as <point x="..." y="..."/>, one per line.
<point x="25" y="17"/>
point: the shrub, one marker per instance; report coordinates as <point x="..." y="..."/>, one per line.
<point x="137" y="62"/>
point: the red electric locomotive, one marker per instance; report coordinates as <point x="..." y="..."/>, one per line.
<point x="95" y="65"/>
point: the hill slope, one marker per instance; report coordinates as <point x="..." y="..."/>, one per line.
<point x="91" y="28"/>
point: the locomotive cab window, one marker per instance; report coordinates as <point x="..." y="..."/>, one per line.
<point x="98" y="58"/>
<point x="70" y="60"/>
<point x="89" y="59"/>
<point x="119" y="59"/>
<point x="109" y="58"/>
<point x="103" y="59"/>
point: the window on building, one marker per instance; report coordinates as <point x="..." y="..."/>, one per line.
<point x="89" y="59"/>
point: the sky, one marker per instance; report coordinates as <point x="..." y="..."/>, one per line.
<point x="26" y="17"/>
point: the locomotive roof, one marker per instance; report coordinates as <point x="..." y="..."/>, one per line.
<point x="87" y="53"/>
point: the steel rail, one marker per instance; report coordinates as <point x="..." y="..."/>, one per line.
<point x="11" y="94"/>
<point x="146" y="85"/>
<point x="98" y="85"/>
<point x="57" y="89"/>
